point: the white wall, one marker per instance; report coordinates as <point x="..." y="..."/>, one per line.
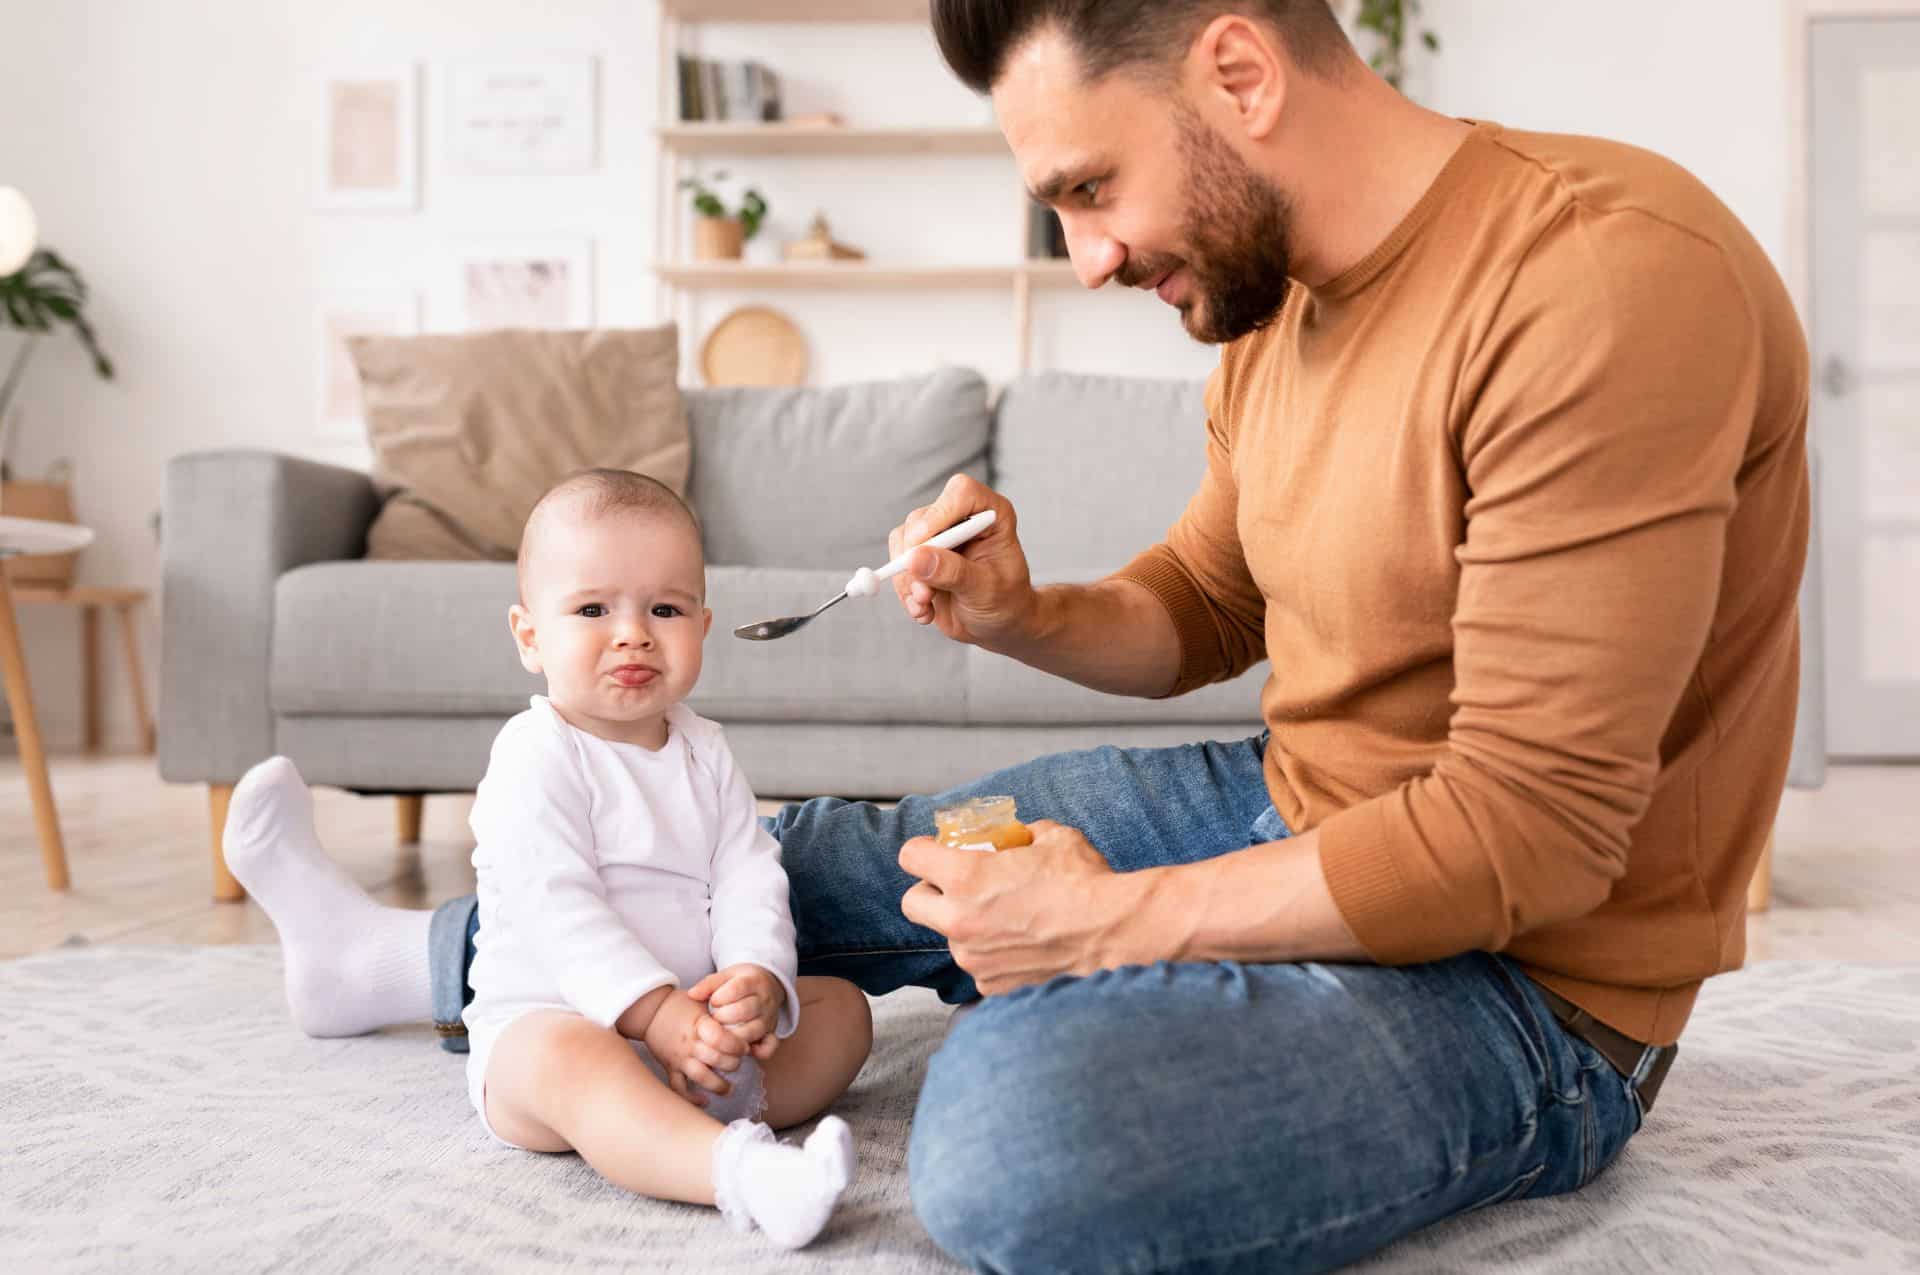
<point x="166" y="148"/>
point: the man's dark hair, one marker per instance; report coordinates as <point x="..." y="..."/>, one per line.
<point x="977" y="35"/>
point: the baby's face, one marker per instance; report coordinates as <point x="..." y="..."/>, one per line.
<point x="613" y="614"/>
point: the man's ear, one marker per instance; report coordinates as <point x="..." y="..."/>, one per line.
<point x="520" y="620"/>
<point x="1240" y="61"/>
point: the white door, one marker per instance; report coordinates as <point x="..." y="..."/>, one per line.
<point x="1865" y="222"/>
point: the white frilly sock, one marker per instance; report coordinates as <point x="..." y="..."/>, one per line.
<point x="788" y="1191"/>
<point x="351" y="964"/>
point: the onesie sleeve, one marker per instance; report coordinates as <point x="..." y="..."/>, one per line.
<point x="752" y="921"/>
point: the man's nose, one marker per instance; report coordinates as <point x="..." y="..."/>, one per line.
<point x="1095" y="256"/>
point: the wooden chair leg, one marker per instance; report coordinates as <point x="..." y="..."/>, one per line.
<point x="409" y="810"/>
<point x="225" y="888"/>
<point x="1760" y="889"/>
<point x="33" y="757"/>
<point x="135" y="681"/>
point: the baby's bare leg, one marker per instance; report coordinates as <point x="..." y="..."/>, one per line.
<point x="815" y="1065"/>
<point x="556" y="1082"/>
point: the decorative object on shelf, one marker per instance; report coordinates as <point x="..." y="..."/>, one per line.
<point x="719" y="235"/>
<point x="817" y="119"/>
<point x="532" y="117"/>
<point x="49" y="500"/>
<point x="36" y="300"/>
<point x="521" y="283"/>
<point x="1388" y="21"/>
<point x="18" y="230"/>
<point x="754" y="345"/>
<point x="727" y="91"/>
<point x="368" y="312"/>
<point x="366" y="140"/>
<point x="820" y="246"/>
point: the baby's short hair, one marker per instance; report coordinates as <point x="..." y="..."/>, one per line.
<point x="596" y="493"/>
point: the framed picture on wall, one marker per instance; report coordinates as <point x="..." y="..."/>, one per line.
<point x="337" y="316"/>
<point x="542" y="282"/>
<point x="366" y="152"/>
<point x="529" y="117"/>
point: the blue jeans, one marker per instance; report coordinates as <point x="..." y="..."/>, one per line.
<point x="1192" y="1117"/>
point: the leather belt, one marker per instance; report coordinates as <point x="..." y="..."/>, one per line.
<point x="1644" y="1066"/>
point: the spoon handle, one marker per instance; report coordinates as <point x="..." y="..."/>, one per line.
<point x="952" y="537"/>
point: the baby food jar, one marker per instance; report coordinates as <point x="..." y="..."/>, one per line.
<point x="983" y="823"/>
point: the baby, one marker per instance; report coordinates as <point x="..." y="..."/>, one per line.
<point x="635" y="997"/>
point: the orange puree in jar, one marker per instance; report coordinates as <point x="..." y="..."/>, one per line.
<point x="984" y="823"/>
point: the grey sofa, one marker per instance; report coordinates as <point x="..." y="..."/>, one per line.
<point x="388" y="677"/>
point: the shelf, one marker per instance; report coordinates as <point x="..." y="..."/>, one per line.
<point x="862" y="274"/>
<point x="821" y="139"/>
<point x="797" y="10"/>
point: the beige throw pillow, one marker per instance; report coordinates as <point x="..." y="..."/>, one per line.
<point x="472" y="429"/>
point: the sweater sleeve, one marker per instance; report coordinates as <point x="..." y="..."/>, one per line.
<point x="1608" y="415"/>
<point x="532" y="821"/>
<point x="1199" y="572"/>
<point x="752" y="920"/>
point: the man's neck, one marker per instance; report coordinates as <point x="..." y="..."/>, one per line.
<point x="1361" y="158"/>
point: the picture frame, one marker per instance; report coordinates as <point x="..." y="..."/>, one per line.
<point x="518" y="282"/>
<point x="523" y="117"/>
<point x="338" y="315"/>
<point x="366" y="138"/>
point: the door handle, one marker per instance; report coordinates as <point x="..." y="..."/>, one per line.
<point x="1836" y="378"/>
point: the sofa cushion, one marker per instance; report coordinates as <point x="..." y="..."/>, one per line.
<point x="818" y="477"/>
<point x="1097" y="467"/>
<point x="409" y="639"/>
<point x="474" y="428"/>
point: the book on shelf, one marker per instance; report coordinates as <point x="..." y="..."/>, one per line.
<point x="728" y="92"/>
<point x="1046" y="238"/>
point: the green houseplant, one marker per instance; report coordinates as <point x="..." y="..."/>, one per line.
<point x="1390" y="21"/>
<point x="37" y="300"/>
<point x="719" y="235"/>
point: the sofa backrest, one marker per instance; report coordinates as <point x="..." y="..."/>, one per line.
<point x="818" y="477"/>
<point x="1097" y="467"/>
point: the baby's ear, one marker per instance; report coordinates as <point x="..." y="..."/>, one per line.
<point x="708" y="612"/>
<point x="520" y="620"/>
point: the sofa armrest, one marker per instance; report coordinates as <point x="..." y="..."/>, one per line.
<point x="235" y="521"/>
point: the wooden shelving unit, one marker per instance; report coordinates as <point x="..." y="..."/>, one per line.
<point x="820" y="139"/>
<point x="679" y="282"/>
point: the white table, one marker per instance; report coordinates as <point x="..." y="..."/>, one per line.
<point x="29" y="536"/>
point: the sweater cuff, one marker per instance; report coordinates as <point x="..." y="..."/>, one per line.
<point x="1356" y="858"/>
<point x="1160" y="573"/>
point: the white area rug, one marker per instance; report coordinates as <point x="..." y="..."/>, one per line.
<point x="158" y="1113"/>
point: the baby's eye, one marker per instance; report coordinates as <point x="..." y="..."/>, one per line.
<point x="666" y="611"/>
<point x="592" y="611"/>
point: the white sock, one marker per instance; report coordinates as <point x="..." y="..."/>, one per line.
<point x="352" y="964"/>
<point x="788" y="1191"/>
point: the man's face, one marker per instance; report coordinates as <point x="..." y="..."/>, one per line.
<point x="1147" y="191"/>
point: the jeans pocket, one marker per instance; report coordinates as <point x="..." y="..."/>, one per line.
<point x="1511" y="1191"/>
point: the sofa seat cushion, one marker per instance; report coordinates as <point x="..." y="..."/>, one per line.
<point x="406" y="638"/>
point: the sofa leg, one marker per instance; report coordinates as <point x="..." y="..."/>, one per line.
<point x="1760" y="889"/>
<point x="225" y="888"/>
<point x="409" y="809"/>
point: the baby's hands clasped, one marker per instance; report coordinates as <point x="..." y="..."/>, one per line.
<point x="696" y="1051"/>
<point x="747" y="1000"/>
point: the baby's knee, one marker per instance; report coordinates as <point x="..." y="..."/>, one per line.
<point x="844" y="1007"/>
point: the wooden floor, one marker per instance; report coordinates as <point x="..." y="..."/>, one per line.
<point x="1846" y="883"/>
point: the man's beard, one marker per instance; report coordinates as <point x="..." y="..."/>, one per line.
<point x="1237" y="241"/>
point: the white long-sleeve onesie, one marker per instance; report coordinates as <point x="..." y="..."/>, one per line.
<point x="607" y="870"/>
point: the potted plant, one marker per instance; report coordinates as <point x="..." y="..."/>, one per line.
<point x="37" y="300"/>
<point x="1389" y="21"/>
<point x="719" y="235"/>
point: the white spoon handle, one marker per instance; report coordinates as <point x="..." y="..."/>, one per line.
<point x="863" y="580"/>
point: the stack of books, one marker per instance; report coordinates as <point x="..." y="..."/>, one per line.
<point x="734" y="92"/>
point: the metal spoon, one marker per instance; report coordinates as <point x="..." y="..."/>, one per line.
<point x="865" y="582"/>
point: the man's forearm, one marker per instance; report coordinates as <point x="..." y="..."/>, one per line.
<point x="1112" y="636"/>
<point x="1268" y="903"/>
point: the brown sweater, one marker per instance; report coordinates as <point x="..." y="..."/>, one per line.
<point x="1517" y="508"/>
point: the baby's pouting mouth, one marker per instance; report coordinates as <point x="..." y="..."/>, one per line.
<point x="634" y="674"/>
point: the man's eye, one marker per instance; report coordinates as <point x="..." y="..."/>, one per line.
<point x="666" y="611"/>
<point x="1090" y="189"/>
<point x="592" y="611"/>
